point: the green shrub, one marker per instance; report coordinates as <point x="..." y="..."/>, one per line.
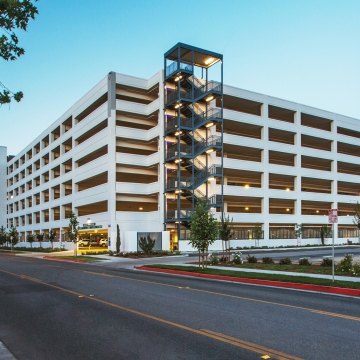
<point x="213" y="259"/>
<point x="304" y="262"/>
<point x="251" y="259"/>
<point x="326" y="261"/>
<point x="267" y="260"/>
<point x="345" y="265"/>
<point x="356" y="269"/>
<point x="285" y="261"/>
<point x="238" y="258"/>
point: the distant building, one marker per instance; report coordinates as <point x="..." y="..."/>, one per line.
<point x="141" y="152"/>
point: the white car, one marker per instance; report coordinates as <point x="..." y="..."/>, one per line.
<point x="103" y="242"/>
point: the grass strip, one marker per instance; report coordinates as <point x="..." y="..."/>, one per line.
<point x="274" y="277"/>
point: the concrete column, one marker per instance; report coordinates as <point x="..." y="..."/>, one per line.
<point x="3" y="187"/>
<point x="112" y="160"/>
<point x="265" y="174"/>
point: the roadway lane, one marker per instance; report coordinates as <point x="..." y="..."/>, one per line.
<point x="74" y="311"/>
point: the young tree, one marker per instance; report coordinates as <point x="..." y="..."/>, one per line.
<point x="73" y="231"/>
<point x="13" y="236"/>
<point x="325" y="231"/>
<point x="52" y="237"/>
<point x="226" y="234"/>
<point x="204" y="230"/>
<point x="356" y="219"/>
<point x="257" y="233"/>
<point x="3" y="236"/>
<point x="40" y="238"/>
<point x="14" y="14"/>
<point x="30" y="239"/>
<point x="118" y="241"/>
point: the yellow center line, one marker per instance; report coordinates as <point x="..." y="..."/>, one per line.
<point x="253" y="347"/>
<point x="326" y="313"/>
<point x="349" y="317"/>
<point x="206" y="333"/>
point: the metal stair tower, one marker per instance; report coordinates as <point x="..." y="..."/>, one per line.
<point x="193" y="133"/>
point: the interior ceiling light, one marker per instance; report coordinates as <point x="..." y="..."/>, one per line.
<point x="209" y="124"/>
<point x="287" y="209"/>
<point x="209" y="151"/>
<point x="140" y="208"/>
<point x="209" y="60"/>
<point x="177" y="191"/>
<point x="287" y="189"/>
<point x="211" y="178"/>
<point x="178" y="133"/>
<point x="178" y="105"/>
<point x="247" y="209"/>
<point x="246" y="186"/>
<point x="209" y="98"/>
<point x="179" y="77"/>
<point x="178" y="160"/>
<point x="317" y="211"/>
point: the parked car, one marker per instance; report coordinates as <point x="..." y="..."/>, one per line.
<point x="103" y="242"/>
<point x="87" y="242"/>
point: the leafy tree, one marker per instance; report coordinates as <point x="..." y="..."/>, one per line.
<point x="14" y="14"/>
<point x="147" y="244"/>
<point x="13" y="235"/>
<point x="298" y="232"/>
<point x="40" y="238"/>
<point x="30" y="238"/>
<point x="257" y="233"/>
<point x="118" y="241"/>
<point x="73" y="231"/>
<point x="204" y="230"/>
<point x="325" y="231"/>
<point x="52" y="237"/>
<point x="3" y="236"/>
<point x="226" y="234"/>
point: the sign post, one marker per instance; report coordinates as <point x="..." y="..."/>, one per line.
<point x="333" y="218"/>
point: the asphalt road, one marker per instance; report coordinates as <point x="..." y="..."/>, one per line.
<point x="54" y="310"/>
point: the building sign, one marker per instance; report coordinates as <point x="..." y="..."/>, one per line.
<point x="90" y="226"/>
<point x="333" y="216"/>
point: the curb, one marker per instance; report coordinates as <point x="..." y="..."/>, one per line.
<point x="62" y="260"/>
<point x="273" y="283"/>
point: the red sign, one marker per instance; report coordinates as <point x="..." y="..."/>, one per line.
<point x="333" y="216"/>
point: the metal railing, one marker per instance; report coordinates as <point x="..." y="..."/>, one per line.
<point x="176" y="66"/>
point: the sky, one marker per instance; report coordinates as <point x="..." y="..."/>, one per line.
<point x="306" y="51"/>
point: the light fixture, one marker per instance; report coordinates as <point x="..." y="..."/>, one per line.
<point x="178" y="160"/>
<point x="317" y="211"/>
<point x="209" y="124"/>
<point x="178" y="133"/>
<point x="209" y="98"/>
<point x="178" y="191"/>
<point x="209" y="151"/>
<point x="178" y="105"/>
<point x="179" y="77"/>
<point x="141" y="208"/>
<point x="246" y="186"/>
<point x="209" y="60"/>
<point x="287" y="209"/>
<point x="287" y="189"/>
<point x="211" y="178"/>
<point x="247" y="209"/>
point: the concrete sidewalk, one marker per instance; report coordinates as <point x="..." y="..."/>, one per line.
<point x="319" y="276"/>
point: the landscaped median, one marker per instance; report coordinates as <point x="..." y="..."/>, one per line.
<point x="277" y="280"/>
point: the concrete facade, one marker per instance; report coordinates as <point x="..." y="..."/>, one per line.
<point x="285" y="164"/>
